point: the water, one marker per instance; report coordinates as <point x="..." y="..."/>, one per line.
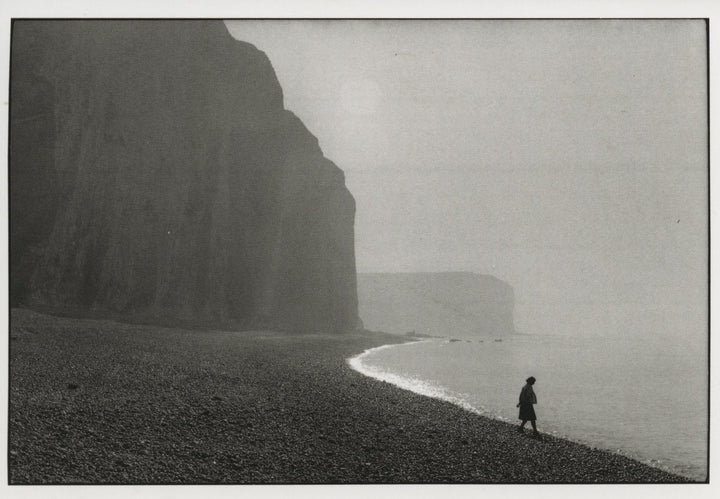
<point x="645" y="398"/>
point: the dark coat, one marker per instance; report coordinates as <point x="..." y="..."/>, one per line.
<point x="527" y="399"/>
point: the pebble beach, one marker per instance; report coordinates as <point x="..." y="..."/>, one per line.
<point x="104" y="402"/>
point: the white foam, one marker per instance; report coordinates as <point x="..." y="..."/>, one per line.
<point x="434" y="390"/>
<point x="415" y="385"/>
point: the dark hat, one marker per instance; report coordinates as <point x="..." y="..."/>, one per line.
<point x="531" y="379"/>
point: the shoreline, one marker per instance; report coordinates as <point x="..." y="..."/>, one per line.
<point x="103" y="402"/>
<point x="436" y="391"/>
<point x="417" y="386"/>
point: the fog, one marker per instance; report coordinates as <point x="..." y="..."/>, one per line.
<point x="568" y="158"/>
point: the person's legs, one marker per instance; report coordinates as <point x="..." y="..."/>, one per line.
<point x="521" y="428"/>
<point x="535" y="432"/>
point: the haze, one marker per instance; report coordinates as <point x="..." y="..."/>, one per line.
<point x="568" y="158"/>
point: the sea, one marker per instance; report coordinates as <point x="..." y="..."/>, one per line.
<point x="643" y="397"/>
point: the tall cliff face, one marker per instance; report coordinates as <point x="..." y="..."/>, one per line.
<point x="154" y="174"/>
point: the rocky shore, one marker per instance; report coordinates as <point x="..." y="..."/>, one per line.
<point x="102" y="402"/>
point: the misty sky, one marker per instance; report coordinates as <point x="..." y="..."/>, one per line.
<point x="568" y="158"/>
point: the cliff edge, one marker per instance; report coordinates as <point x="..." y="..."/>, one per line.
<point x="452" y="304"/>
<point x="155" y="175"/>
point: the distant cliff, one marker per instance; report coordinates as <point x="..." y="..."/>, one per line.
<point x="154" y="174"/>
<point x="452" y="304"/>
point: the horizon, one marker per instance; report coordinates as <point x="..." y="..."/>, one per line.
<point x="531" y="198"/>
<point x="567" y="158"/>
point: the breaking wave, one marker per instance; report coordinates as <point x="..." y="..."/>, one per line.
<point x="413" y="384"/>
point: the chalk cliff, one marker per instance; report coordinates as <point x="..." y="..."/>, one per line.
<point x="451" y="304"/>
<point x="155" y="174"/>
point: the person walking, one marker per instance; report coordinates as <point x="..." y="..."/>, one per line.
<point x="527" y="412"/>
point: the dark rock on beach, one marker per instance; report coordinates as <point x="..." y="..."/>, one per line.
<point x="173" y="406"/>
<point x="155" y="175"/>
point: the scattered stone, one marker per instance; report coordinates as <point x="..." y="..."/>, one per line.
<point x="316" y="434"/>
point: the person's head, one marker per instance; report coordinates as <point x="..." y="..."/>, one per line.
<point x="531" y="380"/>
